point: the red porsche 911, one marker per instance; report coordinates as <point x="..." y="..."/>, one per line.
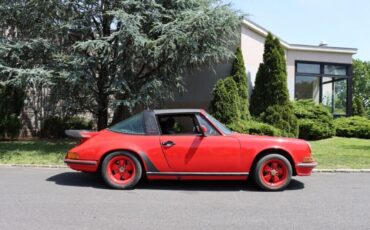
<point x="186" y="144"/>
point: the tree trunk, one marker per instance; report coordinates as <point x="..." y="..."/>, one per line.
<point x="102" y="112"/>
<point x="103" y="98"/>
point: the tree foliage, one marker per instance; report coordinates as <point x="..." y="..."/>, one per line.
<point x="239" y="75"/>
<point x="358" y="108"/>
<point x="113" y="53"/>
<point x="271" y="80"/>
<point x="361" y="82"/>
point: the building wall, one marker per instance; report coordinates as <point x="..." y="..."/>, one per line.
<point x="252" y="46"/>
<point x="199" y="83"/>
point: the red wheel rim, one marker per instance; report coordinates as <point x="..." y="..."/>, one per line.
<point x="121" y="169"/>
<point x="274" y="172"/>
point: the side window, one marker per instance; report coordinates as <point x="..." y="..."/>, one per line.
<point x="211" y="131"/>
<point x="178" y="124"/>
<point x="132" y="125"/>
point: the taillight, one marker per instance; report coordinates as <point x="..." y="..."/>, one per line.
<point x="308" y="159"/>
<point x="72" y="155"/>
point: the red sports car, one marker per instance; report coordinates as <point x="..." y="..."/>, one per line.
<point x="186" y="144"/>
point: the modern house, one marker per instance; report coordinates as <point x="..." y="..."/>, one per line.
<point x="322" y="73"/>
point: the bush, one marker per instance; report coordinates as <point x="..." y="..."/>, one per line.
<point x="315" y="120"/>
<point x="10" y="126"/>
<point x="254" y="127"/>
<point x="283" y="118"/>
<point x="11" y="104"/>
<point x="225" y="103"/>
<point x="352" y="127"/>
<point x="53" y="127"/>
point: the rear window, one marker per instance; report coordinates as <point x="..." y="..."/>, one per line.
<point x="132" y="125"/>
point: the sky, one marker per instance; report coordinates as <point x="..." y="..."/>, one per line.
<point x="341" y="23"/>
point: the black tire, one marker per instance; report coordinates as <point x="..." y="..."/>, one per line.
<point x="283" y="165"/>
<point x="135" y="176"/>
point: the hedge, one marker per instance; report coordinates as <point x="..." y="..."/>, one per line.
<point x="353" y="127"/>
<point x="54" y="127"/>
<point x="315" y="120"/>
<point x="254" y="127"/>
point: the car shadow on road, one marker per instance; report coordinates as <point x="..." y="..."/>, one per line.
<point x="249" y="185"/>
<point x="79" y="179"/>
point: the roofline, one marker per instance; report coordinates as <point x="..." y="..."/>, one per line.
<point x="329" y="49"/>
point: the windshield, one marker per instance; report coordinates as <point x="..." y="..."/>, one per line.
<point x="218" y="124"/>
<point x="132" y="125"/>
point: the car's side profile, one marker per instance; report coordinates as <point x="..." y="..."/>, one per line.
<point x="187" y="144"/>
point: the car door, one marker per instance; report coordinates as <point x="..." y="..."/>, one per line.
<point x="188" y="150"/>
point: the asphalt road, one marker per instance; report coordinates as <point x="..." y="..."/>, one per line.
<point x="63" y="199"/>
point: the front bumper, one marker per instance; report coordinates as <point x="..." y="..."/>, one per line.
<point x="82" y="165"/>
<point x="305" y="169"/>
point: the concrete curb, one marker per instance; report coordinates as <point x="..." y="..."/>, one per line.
<point x="65" y="166"/>
<point x="341" y="170"/>
<point x="33" y="166"/>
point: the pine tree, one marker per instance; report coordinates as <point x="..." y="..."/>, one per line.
<point x="270" y="97"/>
<point x="271" y="79"/>
<point x="240" y="77"/>
<point x="225" y="103"/>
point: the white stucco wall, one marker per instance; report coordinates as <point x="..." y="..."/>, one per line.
<point x="252" y="46"/>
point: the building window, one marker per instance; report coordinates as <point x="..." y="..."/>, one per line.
<point x="323" y="83"/>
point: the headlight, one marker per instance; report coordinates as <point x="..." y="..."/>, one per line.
<point x="72" y="155"/>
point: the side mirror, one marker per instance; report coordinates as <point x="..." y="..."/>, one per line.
<point x="204" y="130"/>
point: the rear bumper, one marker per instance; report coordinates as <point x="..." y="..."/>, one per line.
<point x="305" y="169"/>
<point x="82" y="165"/>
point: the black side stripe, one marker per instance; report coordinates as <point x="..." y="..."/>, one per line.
<point x="149" y="164"/>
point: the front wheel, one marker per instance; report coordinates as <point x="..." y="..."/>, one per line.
<point x="273" y="172"/>
<point x="121" y="170"/>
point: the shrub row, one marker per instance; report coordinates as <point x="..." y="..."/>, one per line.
<point x="315" y="120"/>
<point x="353" y="127"/>
<point x="53" y="127"/>
<point x="254" y="127"/>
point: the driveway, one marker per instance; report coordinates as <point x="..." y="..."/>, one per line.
<point x="34" y="198"/>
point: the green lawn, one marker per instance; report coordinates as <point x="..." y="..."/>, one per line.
<point x="34" y="152"/>
<point x="335" y="152"/>
<point x="344" y="153"/>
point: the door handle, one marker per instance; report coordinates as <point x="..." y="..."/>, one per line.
<point x="168" y="143"/>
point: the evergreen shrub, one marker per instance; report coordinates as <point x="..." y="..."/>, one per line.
<point x="315" y="120"/>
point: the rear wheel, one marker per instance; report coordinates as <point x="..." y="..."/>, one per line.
<point x="273" y="172"/>
<point x="121" y="170"/>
